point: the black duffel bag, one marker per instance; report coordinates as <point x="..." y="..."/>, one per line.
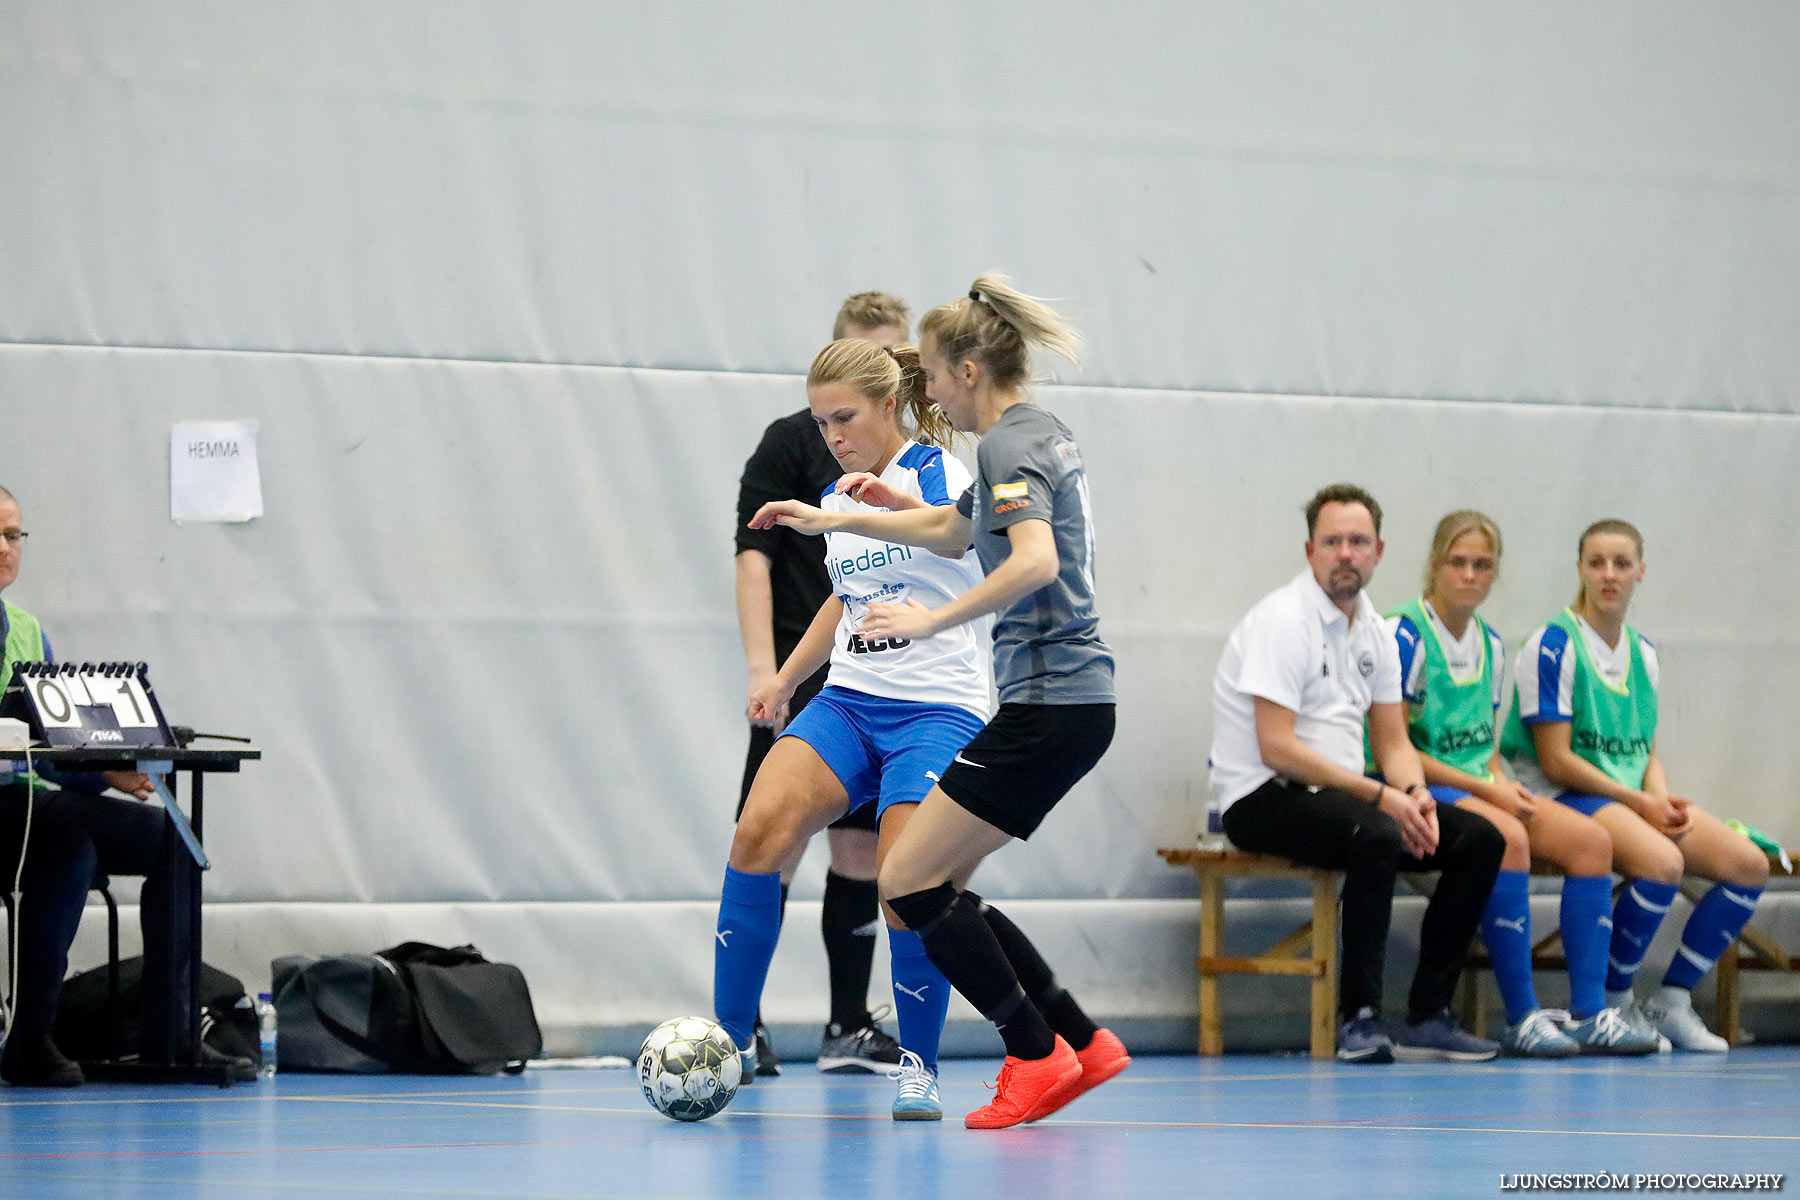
<point x="87" y="1032"/>
<point x="412" y="1009"/>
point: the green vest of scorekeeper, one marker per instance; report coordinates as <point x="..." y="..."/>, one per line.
<point x="23" y="642"/>
<point x="1455" y="721"/>
<point x="1611" y="727"/>
<point x="24" y="639"/>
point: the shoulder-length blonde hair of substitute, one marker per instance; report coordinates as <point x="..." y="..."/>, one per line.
<point x="1453" y="526"/>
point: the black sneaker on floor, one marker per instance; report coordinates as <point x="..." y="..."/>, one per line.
<point x="766" y="1064"/>
<point x="1438" y="1038"/>
<point x="34" y="1061"/>
<point x="866" y="1050"/>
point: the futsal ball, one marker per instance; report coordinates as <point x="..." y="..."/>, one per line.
<point x="689" y="1068"/>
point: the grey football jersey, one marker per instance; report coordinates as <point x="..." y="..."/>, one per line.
<point x="1047" y="647"/>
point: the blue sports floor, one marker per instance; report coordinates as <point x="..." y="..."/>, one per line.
<point x="1275" y="1127"/>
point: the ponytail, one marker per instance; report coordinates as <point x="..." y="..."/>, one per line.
<point x="928" y="422"/>
<point x="997" y="326"/>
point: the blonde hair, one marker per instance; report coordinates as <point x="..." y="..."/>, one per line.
<point x="997" y="325"/>
<point x="1453" y="526"/>
<point x="871" y="310"/>
<point x="878" y="373"/>
<point x="1609" y="525"/>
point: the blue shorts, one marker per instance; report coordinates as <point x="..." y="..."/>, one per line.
<point x="1583" y="802"/>
<point x="889" y="751"/>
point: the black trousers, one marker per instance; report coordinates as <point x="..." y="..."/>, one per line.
<point x="73" y="833"/>
<point x="1338" y="831"/>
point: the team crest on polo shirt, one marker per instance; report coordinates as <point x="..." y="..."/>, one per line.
<point x="1366" y="664"/>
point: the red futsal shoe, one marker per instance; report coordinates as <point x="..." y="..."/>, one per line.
<point x="1104" y="1057"/>
<point x="1023" y="1085"/>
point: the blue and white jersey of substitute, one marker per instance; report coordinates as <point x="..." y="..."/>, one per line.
<point x="947" y="668"/>
<point x="1546" y="670"/>
<point x="1462" y="656"/>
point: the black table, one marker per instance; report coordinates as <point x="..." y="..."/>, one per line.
<point x="171" y="1034"/>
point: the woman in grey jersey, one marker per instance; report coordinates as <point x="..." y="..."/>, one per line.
<point x="1030" y="521"/>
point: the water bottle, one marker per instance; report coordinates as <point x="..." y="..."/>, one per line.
<point x="265" y="1029"/>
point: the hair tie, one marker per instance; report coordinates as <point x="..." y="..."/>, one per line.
<point x="975" y="295"/>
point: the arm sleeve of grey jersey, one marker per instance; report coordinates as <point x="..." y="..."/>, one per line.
<point x="1019" y="488"/>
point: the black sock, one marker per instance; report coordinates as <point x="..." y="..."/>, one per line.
<point x="848" y="919"/>
<point x="964" y="948"/>
<point x="1059" y="1009"/>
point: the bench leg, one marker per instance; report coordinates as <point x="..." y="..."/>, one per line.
<point x="1212" y="928"/>
<point x="1324" y="954"/>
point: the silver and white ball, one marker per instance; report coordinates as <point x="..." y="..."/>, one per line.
<point x="689" y="1068"/>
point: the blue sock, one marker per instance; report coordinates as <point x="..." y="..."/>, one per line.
<point x="1506" y="928"/>
<point x="1586" y="900"/>
<point x="1635" y="917"/>
<point x="1710" y="931"/>
<point x="921" y="995"/>
<point x="749" y="923"/>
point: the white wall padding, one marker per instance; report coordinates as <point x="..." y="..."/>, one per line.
<point x="1542" y="202"/>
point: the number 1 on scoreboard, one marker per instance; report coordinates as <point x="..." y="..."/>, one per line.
<point x="130" y="704"/>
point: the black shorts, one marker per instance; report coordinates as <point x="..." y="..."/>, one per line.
<point x="762" y="740"/>
<point x="1027" y="759"/>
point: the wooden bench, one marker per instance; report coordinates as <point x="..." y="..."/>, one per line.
<point x="1285" y="957"/>
<point x="1754" y="949"/>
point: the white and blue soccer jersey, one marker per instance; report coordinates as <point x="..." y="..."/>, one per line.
<point x="947" y="668"/>
<point x="1546" y="670"/>
<point x="1463" y="657"/>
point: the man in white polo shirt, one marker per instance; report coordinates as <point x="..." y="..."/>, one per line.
<point x="1302" y="676"/>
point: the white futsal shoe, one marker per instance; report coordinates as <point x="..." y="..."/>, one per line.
<point x="1671" y="1010"/>
<point x="918" y="1095"/>
<point x="1626" y="1002"/>
<point x="1539" y="1035"/>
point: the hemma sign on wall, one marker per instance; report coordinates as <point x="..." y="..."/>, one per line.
<point x="213" y="472"/>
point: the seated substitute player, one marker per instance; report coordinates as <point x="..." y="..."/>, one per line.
<point x="781" y="582"/>
<point x="892" y="715"/>
<point x="1583" y="728"/>
<point x="1451" y="668"/>
<point x="1029" y="516"/>
<point x="1302" y="675"/>
<point x="64" y="832"/>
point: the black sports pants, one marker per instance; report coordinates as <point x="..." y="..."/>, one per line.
<point x="1335" y="830"/>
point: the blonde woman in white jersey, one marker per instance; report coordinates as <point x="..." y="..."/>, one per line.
<point x="892" y="714"/>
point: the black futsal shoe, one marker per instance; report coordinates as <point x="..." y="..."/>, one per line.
<point x="766" y="1064"/>
<point x="864" y="1050"/>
